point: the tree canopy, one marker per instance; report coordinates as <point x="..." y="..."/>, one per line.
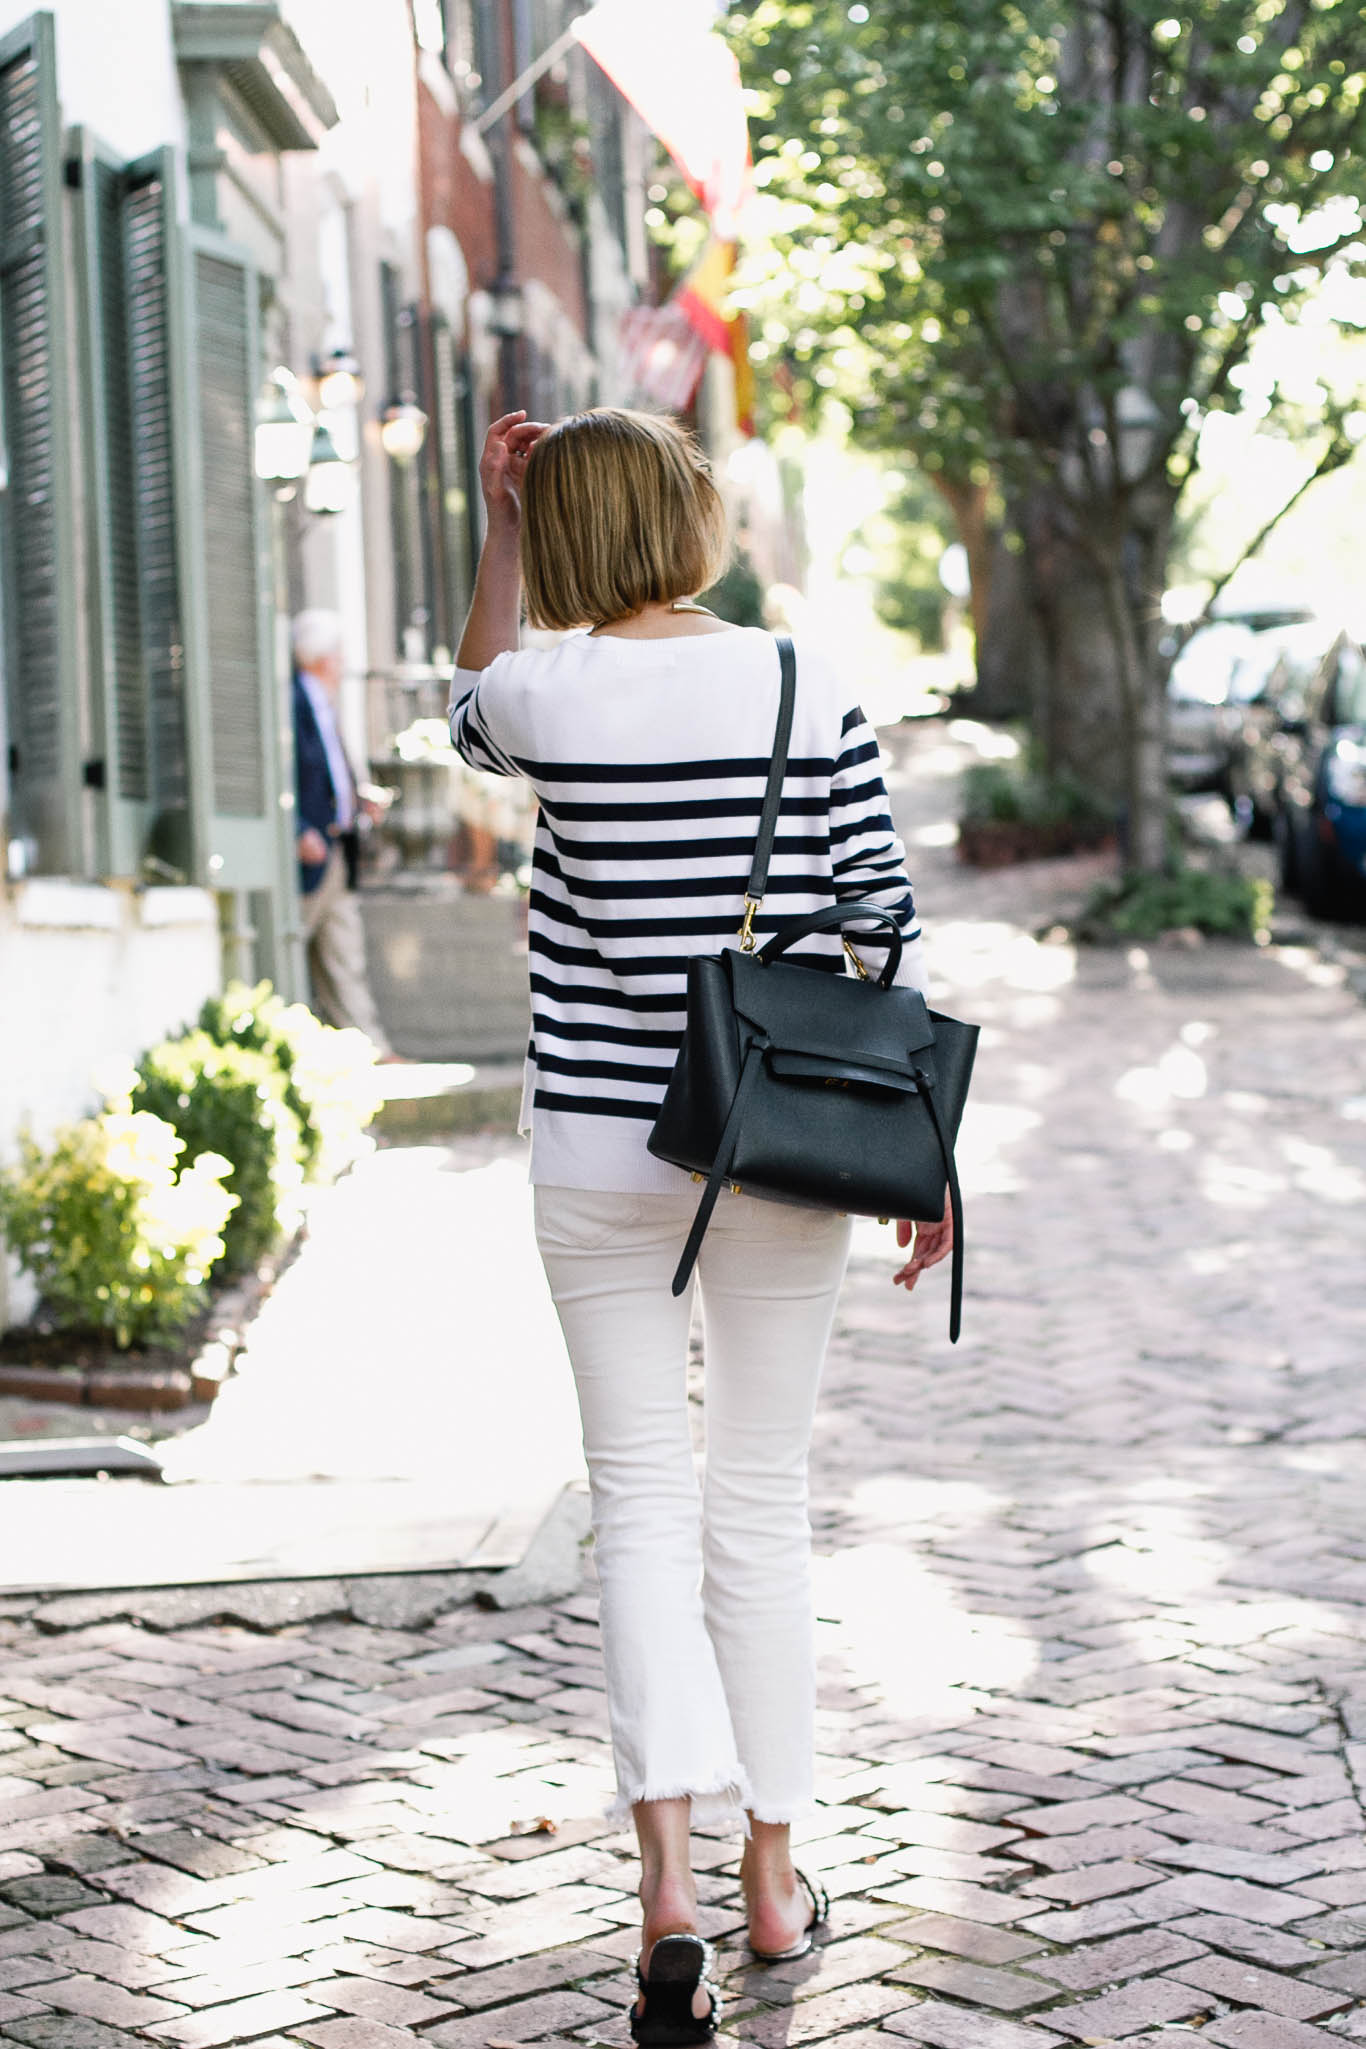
<point x="1035" y="240"/>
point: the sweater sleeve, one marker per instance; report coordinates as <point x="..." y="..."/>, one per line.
<point x="867" y="857"/>
<point x="478" y="717"/>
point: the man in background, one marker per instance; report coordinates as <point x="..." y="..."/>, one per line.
<point x="329" y="810"/>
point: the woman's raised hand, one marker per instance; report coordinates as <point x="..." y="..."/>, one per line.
<point x="502" y="465"/>
<point x="930" y="1243"/>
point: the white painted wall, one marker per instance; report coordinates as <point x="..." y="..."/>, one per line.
<point x="115" y="69"/>
<point x="90" y="977"/>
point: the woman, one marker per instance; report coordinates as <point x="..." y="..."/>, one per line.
<point x="646" y="735"/>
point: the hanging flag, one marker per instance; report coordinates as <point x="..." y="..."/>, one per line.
<point x="664" y="349"/>
<point x="683" y="81"/>
<point x="662" y="356"/>
<point x="702" y="294"/>
<point x="744" y="374"/>
<point x="702" y="299"/>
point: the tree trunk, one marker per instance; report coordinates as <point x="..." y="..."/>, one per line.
<point x="1100" y="709"/>
<point x="968" y="504"/>
<point x="1012" y="647"/>
<point x="1079" y="710"/>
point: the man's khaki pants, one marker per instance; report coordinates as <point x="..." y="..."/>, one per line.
<point x="336" y="954"/>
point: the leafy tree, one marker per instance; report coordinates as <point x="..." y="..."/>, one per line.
<point x="1032" y="242"/>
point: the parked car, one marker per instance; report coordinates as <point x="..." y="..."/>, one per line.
<point x="1320" y="825"/>
<point x="1275" y="671"/>
<point x="1203" y="716"/>
<point x="1197" y="690"/>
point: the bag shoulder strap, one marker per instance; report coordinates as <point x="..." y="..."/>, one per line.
<point x="777" y="769"/>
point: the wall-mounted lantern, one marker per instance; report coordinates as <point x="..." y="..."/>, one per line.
<point x="403" y="428"/>
<point x="340" y="383"/>
<point x="284" y="430"/>
<point x="327" y="487"/>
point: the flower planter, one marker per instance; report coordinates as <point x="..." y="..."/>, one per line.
<point x="1001" y="843"/>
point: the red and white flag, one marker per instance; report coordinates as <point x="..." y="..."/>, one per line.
<point x="662" y="356"/>
<point x="665" y="57"/>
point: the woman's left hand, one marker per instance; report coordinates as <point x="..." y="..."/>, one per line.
<point x="932" y="1242"/>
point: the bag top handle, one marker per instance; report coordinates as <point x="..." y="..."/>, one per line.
<point x="838" y="916"/>
<point x="773" y="792"/>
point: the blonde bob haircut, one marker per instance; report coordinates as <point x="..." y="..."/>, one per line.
<point x="619" y="511"/>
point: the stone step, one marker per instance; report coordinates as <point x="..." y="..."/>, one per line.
<point x="439" y="1099"/>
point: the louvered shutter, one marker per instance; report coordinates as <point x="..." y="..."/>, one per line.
<point x="453" y="470"/>
<point x="235" y="716"/>
<point x="154" y="270"/>
<point x="38" y="542"/>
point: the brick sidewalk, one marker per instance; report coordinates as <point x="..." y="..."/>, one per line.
<point x="1093" y="1710"/>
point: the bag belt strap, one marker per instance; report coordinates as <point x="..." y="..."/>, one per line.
<point x="725" y="1153"/>
<point x="926" y="1081"/>
<point x="777" y="769"/>
<point x="720" y="1166"/>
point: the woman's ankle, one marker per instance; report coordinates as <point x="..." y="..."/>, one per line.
<point x="767" y="1856"/>
<point x="668" y="1890"/>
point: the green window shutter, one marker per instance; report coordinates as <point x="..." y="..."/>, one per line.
<point x="138" y="420"/>
<point x="151" y="248"/>
<point x="238" y="745"/>
<point x="39" y="584"/>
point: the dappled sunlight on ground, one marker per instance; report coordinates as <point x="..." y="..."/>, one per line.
<point x="902" y="1633"/>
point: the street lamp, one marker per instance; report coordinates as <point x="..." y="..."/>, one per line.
<point x="507" y="318"/>
<point x="284" y="430"/>
<point x="403" y="428"/>
<point x="340" y="382"/>
<point x="506" y="312"/>
<point x="1137" y="420"/>
<point x="327" y="487"/>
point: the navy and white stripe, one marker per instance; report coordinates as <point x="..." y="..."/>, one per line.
<point x="649" y="758"/>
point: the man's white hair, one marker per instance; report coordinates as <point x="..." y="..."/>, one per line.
<point x="315" y="635"/>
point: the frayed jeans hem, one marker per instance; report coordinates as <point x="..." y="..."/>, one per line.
<point x="720" y="1803"/>
<point x="793" y="1811"/>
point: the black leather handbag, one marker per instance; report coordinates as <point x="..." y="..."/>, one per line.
<point x="834" y="1091"/>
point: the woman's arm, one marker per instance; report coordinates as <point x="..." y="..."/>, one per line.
<point x="494" y="623"/>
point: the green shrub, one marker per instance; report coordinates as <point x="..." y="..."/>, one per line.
<point x="1017" y="792"/>
<point x="228" y="1099"/>
<point x="326" y="1077"/>
<point x="114" y="1241"/>
<point x="737" y="594"/>
<point x="1204" y="900"/>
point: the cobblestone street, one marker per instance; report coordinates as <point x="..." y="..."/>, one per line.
<point x="1092" y="1588"/>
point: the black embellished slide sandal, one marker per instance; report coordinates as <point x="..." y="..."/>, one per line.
<point x="677" y="1972"/>
<point x="820" y="1912"/>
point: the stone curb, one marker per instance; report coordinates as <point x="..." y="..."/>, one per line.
<point x="550" y="1569"/>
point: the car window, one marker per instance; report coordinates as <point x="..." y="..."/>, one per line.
<point x="1347" y="702"/>
<point x="1202" y="671"/>
<point x="1290" y="684"/>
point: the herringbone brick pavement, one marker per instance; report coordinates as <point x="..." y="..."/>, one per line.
<point x="1091" y="1587"/>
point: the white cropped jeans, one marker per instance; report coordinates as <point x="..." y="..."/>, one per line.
<point x="707" y="1625"/>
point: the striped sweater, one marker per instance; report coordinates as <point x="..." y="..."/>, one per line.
<point x="649" y="758"/>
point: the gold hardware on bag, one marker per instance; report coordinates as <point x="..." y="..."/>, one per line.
<point x="859" y="968"/>
<point x="699" y="1177"/>
<point x="736" y="1189"/>
<point x="884" y="1220"/>
<point x="747" y="942"/>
